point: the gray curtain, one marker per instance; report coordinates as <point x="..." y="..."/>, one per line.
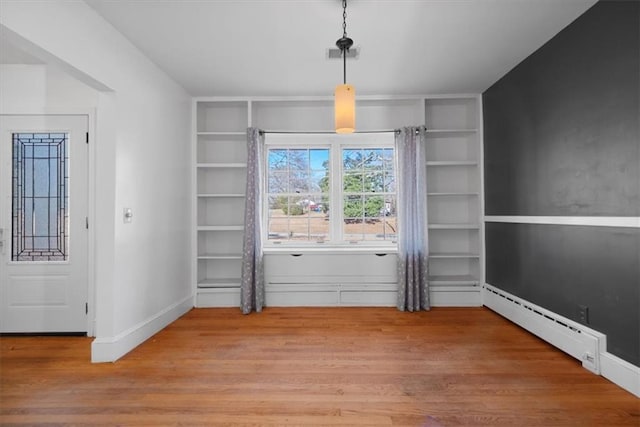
<point x="413" y="244"/>
<point x="252" y="279"/>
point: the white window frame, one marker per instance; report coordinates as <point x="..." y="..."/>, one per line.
<point x="335" y="143"/>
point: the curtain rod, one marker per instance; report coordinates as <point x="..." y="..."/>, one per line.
<point x="288" y="132"/>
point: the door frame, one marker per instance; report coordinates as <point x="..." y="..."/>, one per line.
<point x="90" y="113"/>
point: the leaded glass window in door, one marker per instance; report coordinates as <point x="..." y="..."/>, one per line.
<point x="40" y="197"/>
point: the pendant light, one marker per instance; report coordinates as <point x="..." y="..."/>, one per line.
<point x="345" y="95"/>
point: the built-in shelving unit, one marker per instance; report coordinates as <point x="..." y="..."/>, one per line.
<point x="220" y="177"/>
<point x="454" y="202"/>
<point x="454" y="163"/>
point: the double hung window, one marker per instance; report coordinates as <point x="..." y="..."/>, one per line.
<point x="330" y="189"/>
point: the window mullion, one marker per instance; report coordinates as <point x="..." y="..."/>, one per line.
<point x="336" y="192"/>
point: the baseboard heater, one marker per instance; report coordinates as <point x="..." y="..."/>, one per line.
<point x="573" y="338"/>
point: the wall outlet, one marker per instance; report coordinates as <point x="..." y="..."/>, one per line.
<point x="583" y="314"/>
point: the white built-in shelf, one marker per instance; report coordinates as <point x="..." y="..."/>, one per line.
<point x="220" y="228"/>
<point x="222" y="165"/>
<point x="452" y="163"/>
<point x="453" y="255"/>
<point x="449" y="132"/>
<point x="222" y="195"/>
<point x="219" y="283"/>
<point x="463" y="279"/>
<point x="453" y="194"/>
<point x="222" y="133"/>
<point x="454" y="226"/>
<point x="337" y="249"/>
<point x="455" y="287"/>
<point x="220" y="256"/>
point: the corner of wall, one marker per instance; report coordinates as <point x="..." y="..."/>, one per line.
<point x="110" y="349"/>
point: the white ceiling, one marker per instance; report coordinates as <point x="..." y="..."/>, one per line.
<point x="279" y="47"/>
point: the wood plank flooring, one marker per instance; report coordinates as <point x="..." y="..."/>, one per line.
<point x="313" y="366"/>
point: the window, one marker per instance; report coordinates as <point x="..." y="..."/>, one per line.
<point x="40" y="197"/>
<point x="338" y="190"/>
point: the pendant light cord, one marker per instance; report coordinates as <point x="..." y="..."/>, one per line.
<point x="344" y="36"/>
<point x="344" y="18"/>
<point x="344" y="60"/>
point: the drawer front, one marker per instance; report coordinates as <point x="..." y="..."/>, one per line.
<point x="330" y="295"/>
<point x="330" y="268"/>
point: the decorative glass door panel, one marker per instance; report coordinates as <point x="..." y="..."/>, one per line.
<point x="40" y="197"/>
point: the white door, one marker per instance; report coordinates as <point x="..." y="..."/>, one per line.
<point x="43" y="214"/>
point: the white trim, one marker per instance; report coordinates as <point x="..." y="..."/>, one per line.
<point x="329" y="249"/>
<point x="329" y="140"/>
<point x="596" y="221"/>
<point x="334" y="144"/>
<point x="193" y="218"/>
<point x="329" y="98"/>
<point x="91" y="215"/>
<point x="481" y="206"/>
<point x="620" y="372"/>
<point x="110" y="349"/>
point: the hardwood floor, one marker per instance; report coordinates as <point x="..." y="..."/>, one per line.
<point x="313" y="366"/>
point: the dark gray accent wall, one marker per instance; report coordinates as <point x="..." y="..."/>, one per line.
<point x="561" y="267"/>
<point x="561" y="129"/>
<point x="561" y="138"/>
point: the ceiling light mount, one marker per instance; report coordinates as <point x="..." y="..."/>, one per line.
<point x="345" y="95"/>
<point x="344" y="43"/>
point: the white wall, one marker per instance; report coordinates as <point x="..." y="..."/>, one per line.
<point x="40" y="88"/>
<point x="22" y="87"/>
<point x="142" y="153"/>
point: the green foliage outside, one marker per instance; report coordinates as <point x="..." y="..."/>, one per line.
<point x="353" y="207"/>
<point x="292" y="210"/>
<point x="365" y="171"/>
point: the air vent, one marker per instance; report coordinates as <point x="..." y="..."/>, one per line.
<point x="334" y="53"/>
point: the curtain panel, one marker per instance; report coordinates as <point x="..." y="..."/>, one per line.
<point x="252" y="278"/>
<point x="413" y="244"/>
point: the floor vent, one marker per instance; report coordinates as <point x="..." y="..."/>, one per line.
<point x="575" y="339"/>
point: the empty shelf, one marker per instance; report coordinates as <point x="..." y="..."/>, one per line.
<point x="453" y="255"/>
<point x="452" y="280"/>
<point x="219" y="283"/>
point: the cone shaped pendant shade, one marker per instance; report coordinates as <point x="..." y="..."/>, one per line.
<point x="345" y="108"/>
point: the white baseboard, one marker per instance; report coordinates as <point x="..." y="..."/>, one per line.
<point x="620" y="372"/>
<point x="337" y="295"/>
<point x="110" y="349"/>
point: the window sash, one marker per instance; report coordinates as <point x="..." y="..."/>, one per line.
<point x="336" y="144"/>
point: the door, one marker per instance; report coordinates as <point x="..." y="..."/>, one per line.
<point x="43" y="223"/>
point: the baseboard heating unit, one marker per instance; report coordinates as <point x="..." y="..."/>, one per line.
<point x="573" y="338"/>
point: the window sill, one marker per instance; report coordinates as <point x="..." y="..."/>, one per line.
<point x="351" y="249"/>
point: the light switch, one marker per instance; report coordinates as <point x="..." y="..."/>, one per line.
<point x="127" y="215"/>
